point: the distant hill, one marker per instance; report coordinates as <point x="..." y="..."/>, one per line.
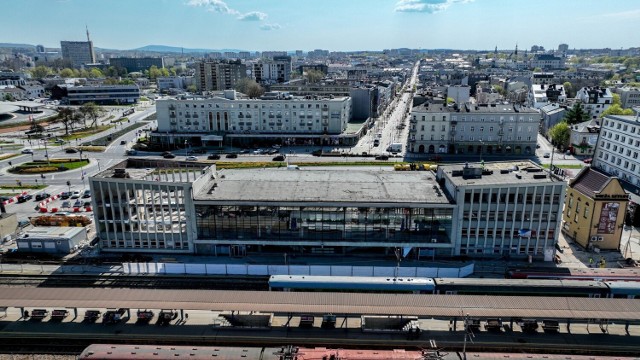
<point x="10" y="45"/>
<point x="175" y="49"/>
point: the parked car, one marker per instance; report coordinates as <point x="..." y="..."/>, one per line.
<point x="75" y="195"/>
<point x="86" y="194"/>
<point x="279" y="158"/>
<point x="258" y="152"/>
<point x="60" y="141"/>
<point x="42" y="196"/>
<point x="168" y="156"/>
<point x="78" y="203"/>
<point x="86" y="204"/>
<point x="244" y="151"/>
<point x="65" y="195"/>
<point x="27" y="151"/>
<point x="24" y="198"/>
<point x="191" y="158"/>
<point x="66" y="204"/>
<point x="213" y="157"/>
<point x="131" y="152"/>
<point x="71" y="150"/>
<point x="382" y="157"/>
<point x="231" y="156"/>
<point x="587" y="161"/>
<point x="546" y="155"/>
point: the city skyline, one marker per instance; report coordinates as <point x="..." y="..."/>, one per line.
<point x="258" y="25"/>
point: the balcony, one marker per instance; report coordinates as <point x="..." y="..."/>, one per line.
<point x="173" y="122"/>
<point x="187" y="115"/>
<point x="188" y="123"/>
<point x="413" y="121"/>
<point x="412" y="140"/>
<point x="172" y="115"/>
<point x="172" y="107"/>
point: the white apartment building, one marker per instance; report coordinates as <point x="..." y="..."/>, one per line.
<point x="542" y="95"/>
<point x="231" y="114"/>
<point x="429" y="130"/>
<point x="276" y="70"/>
<point x="618" y="149"/>
<point x="595" y="99"/>
<point x="170" y="82"/>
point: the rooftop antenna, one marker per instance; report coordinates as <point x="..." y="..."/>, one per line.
<point x="87" y="28"/>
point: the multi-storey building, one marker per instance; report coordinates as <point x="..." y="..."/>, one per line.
<point x="429" y="129"/>
<point x="542" y="95"/>
<point x="547" y="61"/>
<point x="137" y="64"/>
<point x="551" y="115"/>
<point x="273" y="116"/>
<point x="584" y="137"/>
<point x="219" y="75"/>
<point x="504" y="209"/>
<point x="473" y="129"/>
<point x="629" y="97"/>
<point x="78" y="53"/>
<point x="595" y="99"/>
<point x="276" y="70"/>
<point x="102" y="95"/>
<point x="618" y="149"/>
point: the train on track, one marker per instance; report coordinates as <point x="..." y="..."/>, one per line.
<point x="606" y="274"/>
<point x="457" y="286"/>
<point x="144" y="352"/>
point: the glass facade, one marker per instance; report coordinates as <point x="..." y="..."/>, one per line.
<point x="324" y="225"/>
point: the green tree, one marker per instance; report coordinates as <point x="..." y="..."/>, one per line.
<point x="314" y="76"/>
<point x="616" y="109"/>
<point x="568" y="89"/>
<point x="95" y="73"/>
<point x="500" y="90"/>
<point x="41" y="71"/>
<point x="560" y="134"/>
<point x="90" y="110"/>
<point x="192" y="88"/>
<point x="616" y="100"/>
<point x="67" y="117"/>
<point x="155" y="72"/>
<point x="576" y="114"/>
<point x="450" y="100"/>
<point x="66" y="73"/>
<point x="249" y="87"/>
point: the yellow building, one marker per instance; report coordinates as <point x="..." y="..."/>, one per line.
<point x="594" y="210"/>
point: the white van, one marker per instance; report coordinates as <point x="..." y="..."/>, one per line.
<point x="395" y="148"/>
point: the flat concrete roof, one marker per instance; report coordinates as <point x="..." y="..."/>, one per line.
<point x="350" y="185"/>
<point x="498" y="178"/>
<point x="52" y="232"/>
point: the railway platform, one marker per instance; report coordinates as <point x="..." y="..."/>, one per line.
<point x="563" y="325"/>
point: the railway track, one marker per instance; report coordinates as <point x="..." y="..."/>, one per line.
<point x="63" y="345"/>
<point x="139" y="281"/>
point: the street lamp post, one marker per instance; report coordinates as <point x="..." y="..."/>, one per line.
<point x="46" y="151"/>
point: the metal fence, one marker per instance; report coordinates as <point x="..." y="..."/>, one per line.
<point x="265" y="270"/>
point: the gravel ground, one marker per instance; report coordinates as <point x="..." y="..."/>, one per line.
<point x="36" y="357"/>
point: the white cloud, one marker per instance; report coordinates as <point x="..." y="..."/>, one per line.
<point x="427" y="6"/>
<point x="268" y="27"/>
<point x="218" y="6"/>
<point x="253" y="16"/>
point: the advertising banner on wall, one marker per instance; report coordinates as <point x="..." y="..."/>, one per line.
<point x="608" y="218"/>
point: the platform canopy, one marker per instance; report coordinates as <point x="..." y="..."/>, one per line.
<point x="351" y="304"/>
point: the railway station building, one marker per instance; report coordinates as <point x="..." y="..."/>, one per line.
<point x="504" y="208"/>
<point x="185" y="207"/>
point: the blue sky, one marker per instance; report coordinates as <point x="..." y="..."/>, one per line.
<point x="337" y="25"/>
